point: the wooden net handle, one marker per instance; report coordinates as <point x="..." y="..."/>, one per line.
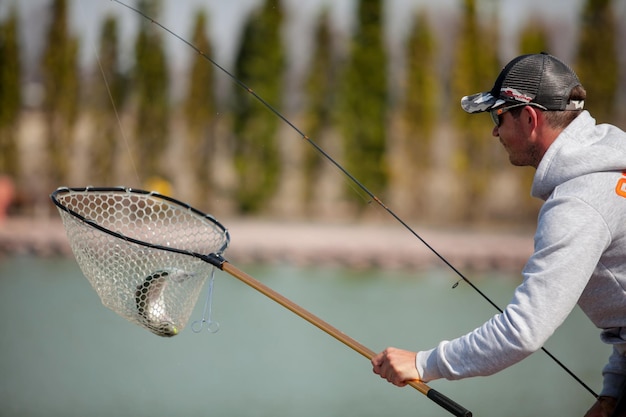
<point x="434" y="395"/>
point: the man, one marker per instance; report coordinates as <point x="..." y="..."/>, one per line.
<point x="537" y="104"/>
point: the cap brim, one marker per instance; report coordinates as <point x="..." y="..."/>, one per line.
<point x="480" y="102"/>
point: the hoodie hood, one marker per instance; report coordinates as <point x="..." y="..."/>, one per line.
<point x="582" y="148"/>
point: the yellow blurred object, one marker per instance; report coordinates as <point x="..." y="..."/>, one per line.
<point x="159" y="185"/>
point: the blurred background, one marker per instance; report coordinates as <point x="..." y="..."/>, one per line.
<point x="94" y="94"/>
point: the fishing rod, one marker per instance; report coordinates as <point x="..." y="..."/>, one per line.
<point x="360" y="185"/>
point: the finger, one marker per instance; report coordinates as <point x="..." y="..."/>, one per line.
<point x="378" y="359"/>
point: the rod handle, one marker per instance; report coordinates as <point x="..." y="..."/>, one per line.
<point x="448" y="404"/>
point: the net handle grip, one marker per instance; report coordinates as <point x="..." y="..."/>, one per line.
<point x="432" y="394"/>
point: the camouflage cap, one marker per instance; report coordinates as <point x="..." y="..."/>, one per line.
<point x="539" y="79"/>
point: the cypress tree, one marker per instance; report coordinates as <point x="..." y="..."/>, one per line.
<point x="597" y="64"/>
<point x="321" y="92"/>
<point x="413" y="153"/>
<point x="60" y="81"/>
<point x="476" y="62"/>
<point x="109" y="65"/>
<point x="151" y="82"/>
<point x="422" y="93"/>
<point x="109" y="87"/>
<point x="10" y="101"/>
<point x="363" y="100"/>
<point x="260" y="65"/>
<point x="533" y="39"/>
<point x="199" y="103"/>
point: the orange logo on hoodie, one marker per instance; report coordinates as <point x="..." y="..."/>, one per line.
<point x="620" y="189"/>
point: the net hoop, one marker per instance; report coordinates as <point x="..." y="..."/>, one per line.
<point x="144" y="253"/>
<point x="55" y="196"/>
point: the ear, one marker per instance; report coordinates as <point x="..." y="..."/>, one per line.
<point x="530" y="119"/>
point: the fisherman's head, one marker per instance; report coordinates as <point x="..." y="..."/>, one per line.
<point x="539" y="86"/>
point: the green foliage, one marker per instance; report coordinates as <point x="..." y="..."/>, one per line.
<point x="61" y="85"/>
<point x="349" y="94"/>
<point x="412" y="121"/>
<point x="60" y="66"/>
<point x="533" y="38"/>
<point x="475" y="63"/>
<point x="322" y="81"/>
<point x="260" y="65"/>
<point x="597" y="62"/>
<point x="422" y="93"/>
<point x="151" y="81"/>
<point x="9" y="70"/>
<point x="363" y="100"/>
<point x="199" y="104"/>
<point x="108" y="97"/>
<point x="321" y="88"/>
<point x="112" y="85"/>
<point x="10" y="102"/>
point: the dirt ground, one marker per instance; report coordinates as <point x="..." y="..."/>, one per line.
<point x="308" y="244"/>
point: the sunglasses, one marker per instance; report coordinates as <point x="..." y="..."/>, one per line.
<point x="495" y="114"/>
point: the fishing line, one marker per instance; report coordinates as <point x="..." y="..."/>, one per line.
<point x="198" y="325"/>
<point x="362" y="187"/>
<point x="117" y="116"/>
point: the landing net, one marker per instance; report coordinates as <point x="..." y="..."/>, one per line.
<point x="137" y="249"/>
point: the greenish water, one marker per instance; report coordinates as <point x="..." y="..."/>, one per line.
<point x="63" y="354"/>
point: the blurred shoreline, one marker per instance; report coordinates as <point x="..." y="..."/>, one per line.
<point x="358" y="246"/>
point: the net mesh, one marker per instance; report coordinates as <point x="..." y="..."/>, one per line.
<point x="129" y="244"/>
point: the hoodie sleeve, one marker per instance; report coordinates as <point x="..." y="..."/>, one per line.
<point x="570" y="239"/>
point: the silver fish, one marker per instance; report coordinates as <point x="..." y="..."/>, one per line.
<point x="150" y="306"/>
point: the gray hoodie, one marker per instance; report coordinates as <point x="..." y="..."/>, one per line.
<point x="579" y="257"/>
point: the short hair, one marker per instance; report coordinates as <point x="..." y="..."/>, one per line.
<point x="560" y="119"/>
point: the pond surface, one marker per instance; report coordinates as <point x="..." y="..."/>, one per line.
<point x="62" y="353"/>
